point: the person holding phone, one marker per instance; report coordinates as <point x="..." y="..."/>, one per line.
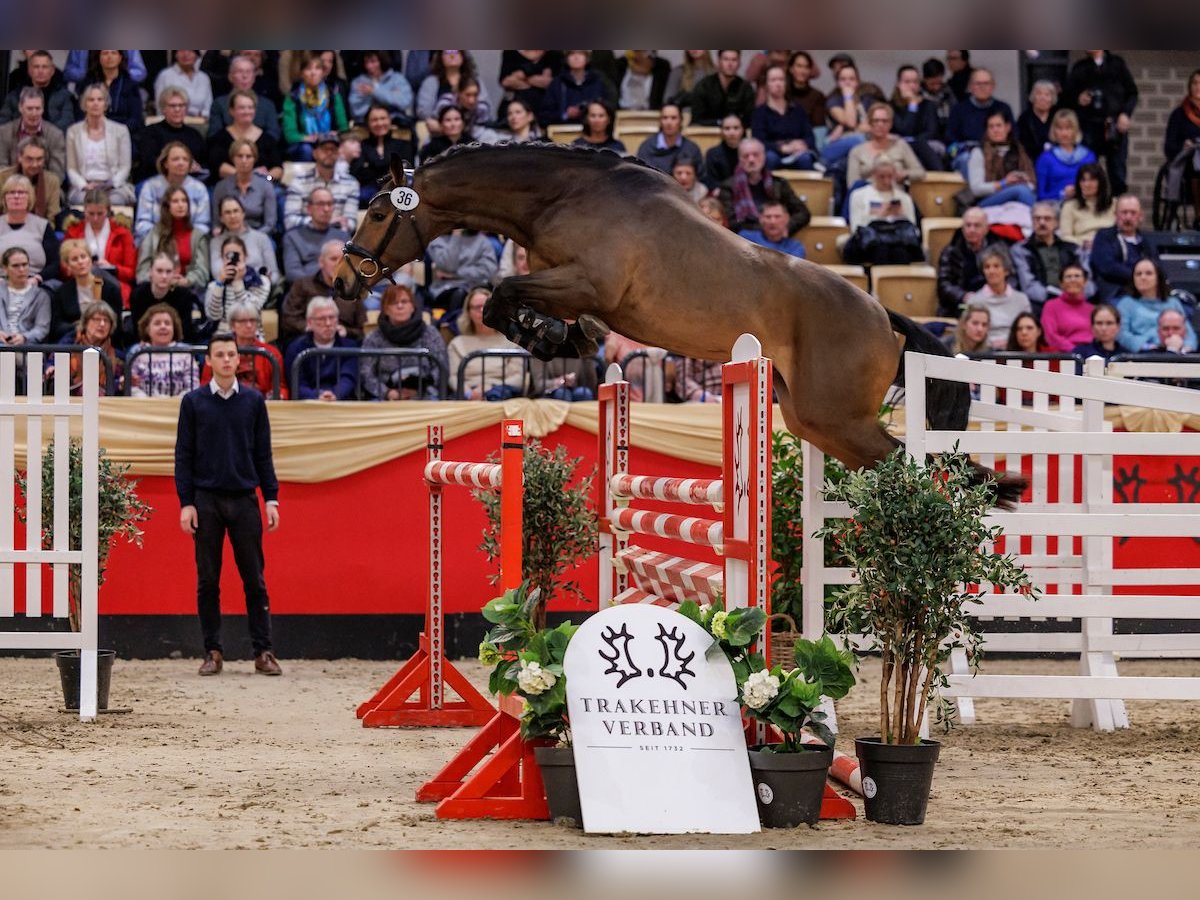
<point x="234" y="283"/>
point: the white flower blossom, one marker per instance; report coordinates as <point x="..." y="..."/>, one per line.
<point x="760" y="689"/>
<point x="533" y="679"/>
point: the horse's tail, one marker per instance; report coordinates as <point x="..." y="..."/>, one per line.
<point x="948" y="407"/>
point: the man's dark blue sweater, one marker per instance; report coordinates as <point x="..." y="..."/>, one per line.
<point x="223" y="445"/>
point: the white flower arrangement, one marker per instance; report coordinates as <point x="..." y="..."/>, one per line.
<point x="533" y="679"/>
<point x="760" y="689"/>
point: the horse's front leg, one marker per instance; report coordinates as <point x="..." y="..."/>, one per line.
<point x="518" y="312"/>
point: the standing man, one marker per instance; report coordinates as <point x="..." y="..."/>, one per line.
<point x="222" y="456"/>
<point x="1103" y="93"/>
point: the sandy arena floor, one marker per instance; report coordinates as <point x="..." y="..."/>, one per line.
<point x="241" y="761"/>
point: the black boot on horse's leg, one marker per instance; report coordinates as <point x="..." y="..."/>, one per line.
<point x="541" y="326"/>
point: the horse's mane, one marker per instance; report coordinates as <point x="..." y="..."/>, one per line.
<point x="602" y="157"/>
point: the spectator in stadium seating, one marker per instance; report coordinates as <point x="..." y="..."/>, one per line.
<point x="302" y="244"/>
<point x="598" y="123"/>
<point x="1067" y="317"/>
<point x="174" y="164"/>
<point x="1116" y="250"/>
<point x="371" y="167"/>
<point x="772" y="231"/>
<point x="1181" y="140"/>
<point x="1091" y="209"/>
<point x="881" y="143"/>
<point x="242" y="127"/>
<point x="79" y="289"/>
<point x="522" y="123"/>
<point x="711" y="206"/>
<point x="418" y="64"/>
<point x="881" y="197"/>
<point x="24" y="304"/>
<point x="311" y="111"/>
<point x="109" y="242"/>
<point x="800" y="69"/>
<point x="783" y="126"/>
<point x="662" y="149"/>
<point x="352" y="315"/>
<point x="526" y="74"/>
<point x="1025" y="335"/>
<point x="58" y="104"/>
<point x="160" y="374"/>
<point x="488" y="378"/>
<point x="175" y="235"/>
<point x="251" y="188"/>
<point x="1141" y="302"/>
<point x="381" y="85"/>
<point x="569" y="380"/>
<point x="195" y="84"/>
<point x="99" y="151"/>
<point x="233" y="282"/>
<point x="1003" y="301"/>
<point x="959" y="270"/>
<point x="164" y="287"/>
<point x="752" y="185"/>
<point x="1106" y="325"/>
<point x="253" y="369"/>
<point x="1033" y="125"/>
<point x="21" y="227"/>
<point x="476" y="110"/>
<point x="723" y="93"/>
<point x="998" y="171"/>
<point x="722" y="158"/>
<point x="402" y="326"/>
<point x="936" y="91"/>
<point x="971" y="335"/>
<point x="260" y="250"/>
<point x="452" y="121"/>
<point x="1102" y="91"/>
<point x="697" y="64"/>
<point x="968" y="119"/>
<point x="572" y="89"/>
<point x="684" y="174"/>
<point x="958" y="62"/>
<point x="459" y="259"/>
<point x="79" y="61"/>
<point x="96" y="328"/>
<point x="108" y="67"/>
<point x="916" y="120"/>
<point x="1057" y="166"/>
<point x="242" y="74"/>
<point x="641" y="79"/>
<point x="47" y="187"/>
<point x="328" y="378"/>
<point x="1172" y="333"/>
<point x="172" y="104"/>
<point x="756" y="71"/>
<point x="1041" y="261"/>
<point x="450" y="71"/>
<point x="846" y="107"/>
<point x="326" y="173"/>
<point x="31" y="123"/>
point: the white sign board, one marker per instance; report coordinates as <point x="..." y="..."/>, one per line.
<point x="656" y="727"/>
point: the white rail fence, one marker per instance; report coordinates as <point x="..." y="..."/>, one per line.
<point x="1051" y="425"/>
<point x="21" y="416"/>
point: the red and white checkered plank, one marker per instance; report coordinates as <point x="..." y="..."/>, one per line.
<point x="672" y="576"/>
<point x="634" y="595"/>
<point x="679" y="490"/>
<point x="692" y="529"/>
<point x="466" y="474"/>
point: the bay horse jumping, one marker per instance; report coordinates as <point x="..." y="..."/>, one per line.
<point x="615" y="244"/>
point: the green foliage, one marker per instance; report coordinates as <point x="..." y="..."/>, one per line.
<point x="787" y="530"/>
<point x="528" y="661"/>
<point x="120" y="510"/>
<point x="915" y="543"/>
<point x="734" y="631"/>
<point x="560" y="523"/>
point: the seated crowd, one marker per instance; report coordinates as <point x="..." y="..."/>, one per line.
<point x="144" y="203"/>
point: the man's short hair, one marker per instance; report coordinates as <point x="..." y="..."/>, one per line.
<point x="751" y="143"/>
<point x="318" y="190"/>
<point x="778" y="203"/>
<point x="1172" y="312"/>
<point x="32" y="141"/>
<point x="167" y="93"/>
<point x="30" y="93"/>
<point x="317" y="303"/>
<point x="1046" y="204"/>
<point x="933" y="68"/>
<point x="220" y="337"/>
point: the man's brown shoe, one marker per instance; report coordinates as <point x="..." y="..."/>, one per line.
<point x="213" y="661"/>
<point x="266" y="664"/>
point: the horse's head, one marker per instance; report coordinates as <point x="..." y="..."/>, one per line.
<point x="390" y="235"/>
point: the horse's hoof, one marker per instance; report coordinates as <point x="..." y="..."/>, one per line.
<point x="583" y="343"/>
<point x="595" y="329"/>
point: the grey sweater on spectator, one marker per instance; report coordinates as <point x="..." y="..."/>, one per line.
<point x="302" y="248"/>
<point x="466" y="260"/>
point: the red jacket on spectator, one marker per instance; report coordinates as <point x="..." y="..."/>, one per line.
<point x="254" y="371"/>
<point x="120" y="251"/>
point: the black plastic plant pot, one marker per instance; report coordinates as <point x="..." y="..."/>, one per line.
<point x="562" y="787"/>
<point x="789" y="787"/>
<point x="68" y="674"/>
<point x="896" y="779"/>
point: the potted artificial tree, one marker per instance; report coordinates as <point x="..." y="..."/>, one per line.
<point x="528" y="661"/>
<point x="915" y="542"/>
<point x="120" y="515"/>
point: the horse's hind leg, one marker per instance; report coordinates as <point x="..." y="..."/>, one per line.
<point x="857" y="441"/>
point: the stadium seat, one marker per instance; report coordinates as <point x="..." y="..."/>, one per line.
<point x="934" y="196"/>
<point x="631" y="134"/>
<point x="936" y="233"/>
<point x="812" y="187"/>
<point x="372" y="321"/>
<point x="564" y="134"/>
<point x="908" y="290"/>
<point x="856" y="275"/>
<point x="637" y="117"/>
<point x="270" y="325"/>
<point x="705" y="136"/>
<point x="819" y="238"/>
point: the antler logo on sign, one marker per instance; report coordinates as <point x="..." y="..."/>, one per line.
<point x="656" y="726"/>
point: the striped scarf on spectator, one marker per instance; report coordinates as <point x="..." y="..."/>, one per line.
<point x="744" y="207"/>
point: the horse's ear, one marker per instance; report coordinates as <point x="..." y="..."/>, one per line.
<point x="397" y="164"/>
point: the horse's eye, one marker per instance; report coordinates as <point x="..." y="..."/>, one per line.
<point x="378" y="215"/>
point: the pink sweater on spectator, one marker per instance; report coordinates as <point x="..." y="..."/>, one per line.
<point x="1067" y="322"/>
